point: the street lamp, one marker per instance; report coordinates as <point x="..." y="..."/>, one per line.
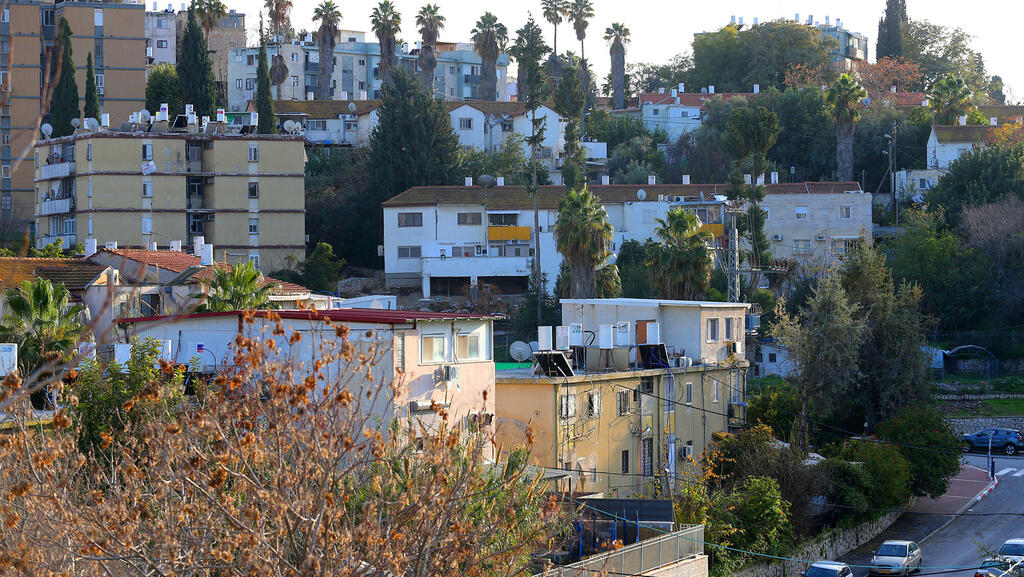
<point x="991" y="463"/>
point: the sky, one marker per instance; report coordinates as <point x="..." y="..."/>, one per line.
<point x="663" y="28"/>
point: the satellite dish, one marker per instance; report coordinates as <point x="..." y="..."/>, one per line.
<point x="486" y="181"/>
<point x="76" y="122"/>
<point x="92" y="124"/>
<point x="46" y="129"/>
<point x="145" y="116"/>
<point x="289" y="125"/>
<point x="520" y="351"/>
<point x="641" y="194"/>
<point x="352" y="107"/>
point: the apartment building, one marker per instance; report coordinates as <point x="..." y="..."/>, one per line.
<point x="430" y="232"/>
<point x="161" y="36"/>
<point x="848" y="47"/>
<point x="112" y="31"/>
<point x="659" y="380"/>
<point x="165" y="28"/>
<point x="678" y="112"/>
<point x="242" y="192"/>
<point x="356" y="75"/>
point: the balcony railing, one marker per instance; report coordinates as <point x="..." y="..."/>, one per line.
<point x="501" y="233"/>
<point x="195" y="203"/>
<point x="56" y="170"/>
<point x="471" y="78"/>
<point x="643" y="557"/>
<point x="56" y="206"/>
<point x="67" y="240"/>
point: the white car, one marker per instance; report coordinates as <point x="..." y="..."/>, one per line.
<point x="896" y="558"/>
<point x="1011" y="552"/>
<point x="828" y="569"/>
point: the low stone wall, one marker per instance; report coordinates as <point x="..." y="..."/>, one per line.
<point x="974" y="397"/>
<point x="827" y="547"/>
<point x="971" y="425"/>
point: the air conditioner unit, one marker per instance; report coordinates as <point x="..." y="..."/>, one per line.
<point x="777" y="237"/>
<point x="821" y="236"/>
<point x="99" y="90"/>
<point x="450" y="373"/>
<point x="210" y="217"/>
<point x="686" y="452"/>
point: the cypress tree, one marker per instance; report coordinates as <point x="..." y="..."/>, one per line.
<point x="195" y="70"/>
<point x="64" y="99"/>
<point x="264" y="102"/>
<point x="92" y="97"/>
<point x="890" y="30"/>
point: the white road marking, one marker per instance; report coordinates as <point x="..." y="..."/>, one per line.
<point x="1019" y="473"/>
<point x="1007" y="470"/>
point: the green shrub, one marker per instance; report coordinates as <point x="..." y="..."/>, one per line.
<point x="762" y="516"/>
<point x="1014" y="384"/>
<point x="928" y="444"/>
<point x="775" y="403"/>
<point x="889" y="472"/>
<point x="847" y="487"/>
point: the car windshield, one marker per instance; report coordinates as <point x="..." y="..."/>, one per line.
<point x="1014" y="549"/>
<point x="816" y="571"/>
<point x="892" y="551"/>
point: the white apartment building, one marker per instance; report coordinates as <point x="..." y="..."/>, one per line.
<point x="448" y="238"/>
<point x="678" y="112"/>
<point x="948" y="143"/>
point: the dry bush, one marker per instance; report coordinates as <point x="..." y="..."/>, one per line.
<point x="279" y="469"/>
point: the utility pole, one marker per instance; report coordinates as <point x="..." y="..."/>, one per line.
<point x="733" y="260"/>
<point x="892" y="171"/>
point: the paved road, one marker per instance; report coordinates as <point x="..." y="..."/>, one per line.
<point x="960" y="543"/>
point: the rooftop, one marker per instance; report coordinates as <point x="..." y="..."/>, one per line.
<point x="958" y="133"/>
<point x="334" y="108"/>
<point x="628" y="302"/>
<point x="180" y="262"/>
<point x="370" y="316"/>
<point x="689" y="99"/>
<point x="74" y="273"/>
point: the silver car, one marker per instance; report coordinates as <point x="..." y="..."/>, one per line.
<point x="896" y="558"/>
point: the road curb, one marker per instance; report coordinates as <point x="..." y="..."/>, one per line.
<point x="981" y="495"/>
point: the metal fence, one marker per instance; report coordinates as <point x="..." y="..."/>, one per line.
<point x="638" y="558"/>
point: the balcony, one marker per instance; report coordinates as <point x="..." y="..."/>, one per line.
<point x="67" y="240"/>
<point x="471" y="78"/>
<point x="56" y="206"/>
<point x="56" y="170"/>
<point x="195" y="203"/>
<point x="194" y="165"/>
<point x="476" y="266"/>
<point x="503" y="233"/>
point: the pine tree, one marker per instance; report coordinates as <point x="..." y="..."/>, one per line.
<point x="92" y="97"/>
<point x="64" y="99"/>
<point x="195" y="70"/>
<point x="890" y="30"/>
<point x="264" y="101"/>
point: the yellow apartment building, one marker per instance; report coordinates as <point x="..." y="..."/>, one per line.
<point x="242" y="193"/>
<point x="112" y="31"/>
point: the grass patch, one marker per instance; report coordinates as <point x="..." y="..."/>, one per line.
<point x="994" y="408"/>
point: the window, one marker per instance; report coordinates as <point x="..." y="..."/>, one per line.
<point x="295" y="80"/>
<point x="400" y="351"/>
<point x="255" y="260"/>
<point x="250" y="84"/>
<point x="99" y="80"/>
<point x="47" y="17"/>
<point x="97" y="17"/>
<point x="465" y="124"/>
<point x="647" y="385"/>
<point x="254" y="226"/>
<point x="712" y="335"/>
<point x="161" y="23"/>
<point x="801" y="246"/>
<point x="845" y="212"/>
<point x="254" y="190"/>
<point x="362" y="62"/>
<point x="88" y="147"/>
<point x="625" y="462"/>
<point x="409" y="219"/>
<point x="623" y="401"/>
<point x="654" y="112"/>
<point x="5" y="202"/>
<point x="734" y="388"/>
<point x="567" y="406"/>
<point x="728" y="328"/>
<point x="147" y="189"/>
<point x="295" y="57"/>
<point x="689" y="393"/>
<point x="410" y="252"/>
<point x="147" y="225"/>
<point x="467" y="347"/>
<point x="843" y="246"/>
<point x="238" y="83"/>
<point x="5" y="171"/>
<point x="316" y="125"/>
<point x="147" y="152"/>
<point x="772" y="358"/>
<point x="161" y="44"/>
<point x="714" y="392"/>
<point x="801" y="213"/>
<point x="250" y="59"/>
<point x="506" y="125"/>
<point x="502" y="219"/>
<point x="647" y="457"/>
<point x="6" y="15"/>
<point x="432" y="349"/>
<point x="469" y="218"/>
<point x="254" y="153"/>
<point x="594" y="404"/>
<point x="669" y="392"/>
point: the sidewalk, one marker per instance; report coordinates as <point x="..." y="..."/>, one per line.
<point x="963" y="488"/>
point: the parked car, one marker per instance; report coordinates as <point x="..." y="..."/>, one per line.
<point x="828" y="569"/>
<point x="1011" y="552"/>
<point x="896" y="558"/>
<point x="1006" y="440"/>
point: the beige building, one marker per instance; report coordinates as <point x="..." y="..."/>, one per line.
<point x="629" y="420"/>
<point x="113" y="32"/>
<point x="242" y="193"/>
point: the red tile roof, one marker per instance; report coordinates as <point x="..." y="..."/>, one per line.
<point x="74" y="273"/>
<point x="900" y="99"/>
<point x="373" y="316"/>
<point x="691" y="99"/>
<point x="178" y="262"/>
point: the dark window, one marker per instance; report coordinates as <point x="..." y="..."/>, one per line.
<point x="254" y="190"/>
<point x="410" y="219"/>
<point x="771" y="357"/>
<point x="647" y="385"/>
<point x="625" y="462"/>
<point x="647" y="457"/>
<point x="503" y="219"/>
<point x="469" y="218"/>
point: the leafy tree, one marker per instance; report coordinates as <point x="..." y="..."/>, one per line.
<point x="582" y="235"/>
<point x="679" y="265"/>
<point x="824" y="343"/>
<point x="336" y="197"/>
<point x="750" y="133"/>
<point x="536" y="298"/>
<point x="92" y="98"/>
<point x="319" y="272"/>
<point x="195" y="69"/>
<point x="210" y="13"/>
<point x="279" y="12"/>
<point x="507" y="161"/>
<point x="329" y="16"/>
<point x="55" y="250"/>
<point x="979" y="177"/>
<point x="617" y="36"/>
<point x="386" y="23"/>
<point x="264" y="99"/>
<point x="879" y="78"/>
<point x="614" y="130"/>
<point x="997" y="231"/>
<point x="64" y="98"/>
<point x="762" y="513"/>
<point x="641" y="150"/>
<point x="240" y="288"/>
<point x="569" y="99"/>
<point x="647" y="77"/>
<point x="633" y="270"/>
<point x="806" y="140"/>
<point x="776" y="403"/>
<point x="950" y="98"/>
<point x="489" y="39"/>
<point x="929" y="445"/>
<point x="163" y="86"/>
<point x="843" y="99"/>
<point x="941" y="51"/>
<point x="554" y="12"/>
<point x="848" y="486"/>
<point x="888" y="470"/>
<point x="890" y="30"/>
<point x="430" y="22"/>
<point x="635" y="172"/>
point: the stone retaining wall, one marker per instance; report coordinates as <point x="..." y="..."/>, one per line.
<point x="974" y="397"/>
<point x="970" y="425"/>
<point x="827" y="547"/>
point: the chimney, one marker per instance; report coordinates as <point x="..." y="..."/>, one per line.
<point x="206" y="254"/>
<point x="183" y="8"/>
<point x="661" y="90"/>
<point x="90" y="247"/>
<point x="711" y="89"/>
<point x="962" y="121"/>
<point x="676" y="100"/>
<point x="755" y="21"/>
<point x="686" y="179"/>
<point x="605" y="179"/>
<point x="152" y="246"/>
<point x="892" y="89"/>
<point x="112" y="245"/>
<point x="775" y="177"/>
<point x="827" y="20"/>
<point x="796" y="17"/>
<point x="839" y="23"/>
<point x="682" y="87"/>
<point x="469" y="181"/>
<point x="197" y="244"/>
<point x="732" y="19"/>
<point x="746" y="179"/>
<point x="175" y="246"/>
<point x="154" y="7"/>
<point x="651" y="179"/>
<point x="993" y="121"/>
<point x="309" y="95"/>
<point x="810" y="19"/>
<point x="675" y="92"/>
<point x="501" y="181"/>
<point x="741" y="21"/>
<point x="757" y="89"/>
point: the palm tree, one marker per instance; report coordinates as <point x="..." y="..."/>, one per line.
<point x="555" y="12"/>
<point x="679" y="266"/>
<point x="843" y="98"/>
<point x="279" y="12"/>
<point x="582" y="236"/>
<point x="329" y="16"/>
<point x="210" y="13"/>
<point x="240" y="288"/>
<point x="430" y="22"/>
<point x="950" y="98"/>
<point x="386" y="22"/>
<point x="609" y="284"/>
<point x="489" y="38"/>
<point x="618" y="35"/>
<point x="46" y="326"/>
<point x="580" y="13"/>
